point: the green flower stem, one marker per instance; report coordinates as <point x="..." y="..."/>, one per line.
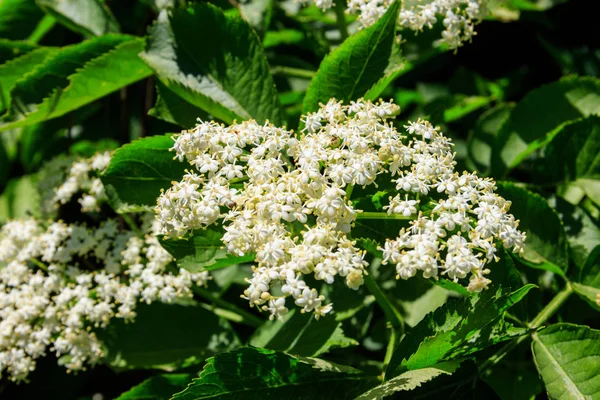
<point x="383" y="215"/>
<point x="244" y="317"/>
<point x="290" y="71"/>
<point x="543" y="316"/>
<point x="552" y="307"/>
<point x="42" y="28"/>
<point x="340" y="17"/>
<point x="129" y="221"/>
<point x="39" y="264"/>
<point x="349" y="190"/>
<point x="392" y="315"/>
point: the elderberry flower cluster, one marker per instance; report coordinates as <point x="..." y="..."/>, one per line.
<point x="286" y="199"/>
<point x="59" y="280"/>
<point x="64" y="177"/>
<point x="458" y="16"/>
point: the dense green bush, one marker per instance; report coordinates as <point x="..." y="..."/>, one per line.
<point x="368" y="199"/>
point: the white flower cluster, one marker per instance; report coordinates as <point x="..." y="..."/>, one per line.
<point x="81" y="179"/>
<point x="287" y="200"/>
<point x="458" y="16"/>
<point x="59" y="280"/>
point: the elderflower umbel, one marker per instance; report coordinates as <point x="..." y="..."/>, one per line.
<point x="458" y="17"/>
<point x="288" y="201"/>
<point x="59" y="280"/>
<point x="64" y="177"/>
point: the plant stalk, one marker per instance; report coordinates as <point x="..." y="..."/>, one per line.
<point x="131" y="223"/>
<point x="392" y="315"/>
<point x="247" y="318"/>
<point x="340" y="18"/>
<point x="383" y="215"/>
<point x="291" y="71"/>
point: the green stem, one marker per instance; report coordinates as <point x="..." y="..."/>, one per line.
<point x="340" y="18"/>
<point x="130" y="222"/>
<point x="247" y="318"/>
<point x="383" y="215"/>
<point x="291" y="71"/>
<point x="552" y="307"/>
<point x="39" y="264"/>
<point x="543" y="316"/>
<point x="349" y="190"/>
<point x="42" y="28"/>
<point x="392" y="315"/>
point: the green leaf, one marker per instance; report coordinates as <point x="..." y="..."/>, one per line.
<point x="158" y="387"/>
<point x="396" y="66"/>
<point x="573" y="152"/>
<point x="10" y="49"/>
<point x="15" y="69"/>
<point x="139" y="170"/>
<point x="546" y="244"/>
<point x="465" y="105"/>
<point x="515" y="380"/>
<point x="75" y="76"/>
<point x="583" y="233"/>
<point x="587" y="285"/>
<point x="358" y="64"/>
<point x="167" y="336"/>
<point x="228" y="76"/>
<point x="408" y="381"/>
<point x="18" y="18"/>
<point x="302" y="335"/>
<point x="459" y="328"/>
<point x="531" y="123"/>
<point x="87" y="17"/>
<point x="251" y="373"/>
<point x="174" y="109"/>
<point x="567" y="357"/>
<point x="202" y="251"/>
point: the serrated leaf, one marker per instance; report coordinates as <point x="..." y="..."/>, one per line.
<point x="251" y="373"/>
<point x="357" y="65"/>
<point x="87" y="17"/>
<point x="302" y="335"/>
<point x="18" y="18"/>
<point x="158" y="387"/>
<point x="572" y="153"/>
<point x="75" y="76"/>
<point x="543" y="110"/>
<point x="460" y="327"/>
<point x="567" y="357"/>
<point x="228" y="77"/>
<point x="546" y="244"/>
<point x="10" y="49"/>
<point x="409" y="380"/>
<point x="174" y="109"/>
<point x="203" y="250"/>
<point x="587" y="284"/>
<point x="139" y="170"/>
<point x="15" y="69"/>
<point x="166" y="336"/>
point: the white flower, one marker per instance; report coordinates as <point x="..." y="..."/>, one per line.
<point x="51" y="308"/>
<point x="293" y="210"/>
